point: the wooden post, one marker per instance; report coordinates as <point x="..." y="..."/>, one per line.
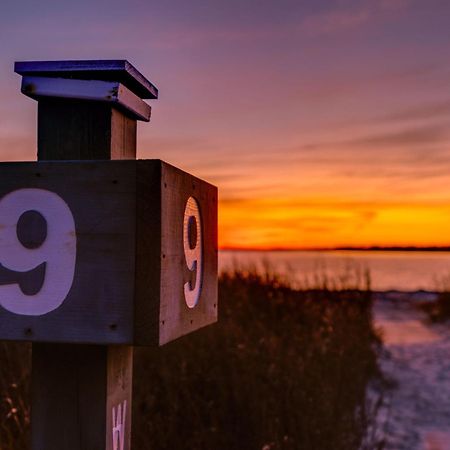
<point x="81" y="394"/>
<point x="99" y="255"/>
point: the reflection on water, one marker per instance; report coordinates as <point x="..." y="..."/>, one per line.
<point x="404" y="271"/>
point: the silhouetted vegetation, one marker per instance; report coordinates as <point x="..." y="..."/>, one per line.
<point x="15" y="365"/>
<point x="283" y="369"/>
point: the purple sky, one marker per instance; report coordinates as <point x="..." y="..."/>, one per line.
<point x="322" y="122"/>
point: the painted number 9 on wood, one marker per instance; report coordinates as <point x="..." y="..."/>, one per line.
<point x="38" y="242"/>
<point x="106" y="252"/>
<point x="193" y="250"/>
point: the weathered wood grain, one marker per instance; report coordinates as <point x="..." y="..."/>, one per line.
<point x="81" y="393"/>
<point x="176" y="318"/>
<point x="148" y="253"/>
<point x="123" y="136"/>
<point x="75" y="389"/>
<point x="111" y="92"/>
<point x="102" y="198"/>
<point x="131" y="268"/>
<point x="71" y="130"/>
<point x="119" y="397"/>
<point x="69" y="397"/>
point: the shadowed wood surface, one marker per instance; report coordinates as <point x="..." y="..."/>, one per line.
<point x="130" y="265"/>
<point x="75" y="389"/>
<point x="69" y="397"/>
<point x="72" y="130"/>
<point x="127" y="288"/>
<point x="148" y="253"/>
<point x="81" y="408"/>
<point x="102" y="199"/>
<point x="119" y="396"/>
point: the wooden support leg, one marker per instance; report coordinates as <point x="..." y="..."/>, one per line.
<point x="81" y="394"/>
<point x="81" y="397"/>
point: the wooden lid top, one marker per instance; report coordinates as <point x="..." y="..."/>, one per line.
<point x="104" y="70"/>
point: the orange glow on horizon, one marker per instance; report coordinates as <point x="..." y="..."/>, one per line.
<point x="322" y="126"/>
<point x="273" y="223"/>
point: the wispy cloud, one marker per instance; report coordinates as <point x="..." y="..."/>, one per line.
<point x="340" y="19"/>
<point x="417" y="136"/>
<point x="394" y="4"/>
<point x="333" y="21"/>
<point x="429" y="111"/>
<point x="298" y="205"/>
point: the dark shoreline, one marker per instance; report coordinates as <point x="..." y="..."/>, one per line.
<point x="406" y="296"/>
<point x="337" y="249"/>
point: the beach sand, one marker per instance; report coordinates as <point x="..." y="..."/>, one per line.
<point x="416" y="410"/>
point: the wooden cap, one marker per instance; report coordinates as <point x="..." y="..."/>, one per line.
<point x="103" y="70"/>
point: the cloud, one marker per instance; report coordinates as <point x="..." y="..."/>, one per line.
<point x="409" y="137"/>
<point x="394" y="5"/>
<point x="337" y="20"/>
<point x="425" y="112"/>
<point x="333" y="21"/>
<point x="421" y="144"/>
<point x="366" y="209"/>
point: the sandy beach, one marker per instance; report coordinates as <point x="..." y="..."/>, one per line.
<point x="416" y="410"/>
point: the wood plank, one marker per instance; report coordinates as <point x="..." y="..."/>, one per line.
<point x="123" y="136"/>
<point x="148" y="253"/>
<point x="113" y="92"/>
<point x="107" y="70"/>
<point x="131" y="271"/>
<point x="69" y="397"/>
<point x="83" y="406"/>
<point x="176" y="317"/>
<point x="119" y="397"/>
<point x="71" y="130"/>
<point x="77" y="391"/>
<point x="102" y="199"/>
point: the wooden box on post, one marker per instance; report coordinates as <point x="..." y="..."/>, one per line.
<point x="105" y="252"/>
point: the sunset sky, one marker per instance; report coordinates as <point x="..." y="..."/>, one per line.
<point x="323" y="123"/>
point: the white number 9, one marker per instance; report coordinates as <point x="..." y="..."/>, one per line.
<point x="193" y="250"/>
<point x="57" y="251"/>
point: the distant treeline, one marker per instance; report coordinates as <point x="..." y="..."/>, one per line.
<point x="397" y="249"/>
<point x="356" y="249"/>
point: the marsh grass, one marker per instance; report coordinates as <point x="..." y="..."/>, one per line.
<point x="283" y="369"/>
<point x="15" y="362"/>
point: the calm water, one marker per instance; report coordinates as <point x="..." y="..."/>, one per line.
<point x="404" y="271"/>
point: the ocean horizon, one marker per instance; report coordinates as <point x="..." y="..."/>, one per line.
<point x="394" y="269"/>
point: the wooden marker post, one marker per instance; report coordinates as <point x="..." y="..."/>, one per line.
<point x="96" y="255"/>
